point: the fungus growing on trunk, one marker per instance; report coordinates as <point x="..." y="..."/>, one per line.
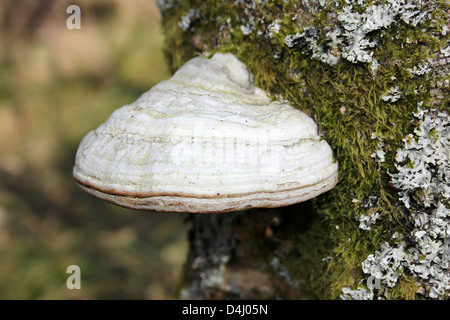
<point x="205" y="141"/>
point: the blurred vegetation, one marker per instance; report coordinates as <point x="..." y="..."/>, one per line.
<point x="56" y="85"/>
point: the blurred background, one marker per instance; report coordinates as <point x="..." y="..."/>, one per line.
<point x="56" y="85"/>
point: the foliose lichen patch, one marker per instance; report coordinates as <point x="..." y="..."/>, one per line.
<point x="423" y="183"/>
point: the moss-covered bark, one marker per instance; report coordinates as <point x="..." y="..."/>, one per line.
<point x="370" y="73"/>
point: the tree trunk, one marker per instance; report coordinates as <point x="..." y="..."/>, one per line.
<point x="375" y="77"/>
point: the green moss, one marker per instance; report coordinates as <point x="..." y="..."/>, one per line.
<point x="346" y="100"/>
<point x="406" y="290"/>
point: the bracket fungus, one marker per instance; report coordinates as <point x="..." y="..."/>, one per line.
<point x="205" y="141"/>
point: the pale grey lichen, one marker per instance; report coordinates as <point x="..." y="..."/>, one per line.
<point x="250" y="23"/>
<point x="386" y="264"/>
<point x="393" y="94"/>
<point x="358" y="25"/>
<point x="292" y="39"/>
<point x="246" y="30"/>
<point x="420" y="69"/>
<point x="374" y="66"/>
<point x="379" y="153"/>
<point x="273" y="28"/>
<point x="308" y="41"/>
<point x="365" y="221"/>
<point x="423" y="181"/>
<point x="446" y="51"/>
<point x="427" y="157"/>
<point x="185" y="21"/>
<point x="164" y="5"/>
<point x="355" y="31"/>
<point x="358" y="294"/>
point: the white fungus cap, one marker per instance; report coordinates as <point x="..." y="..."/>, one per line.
<point x="206" y="140"/>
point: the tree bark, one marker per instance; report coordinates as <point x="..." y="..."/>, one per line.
<point x="375" y="77"/>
